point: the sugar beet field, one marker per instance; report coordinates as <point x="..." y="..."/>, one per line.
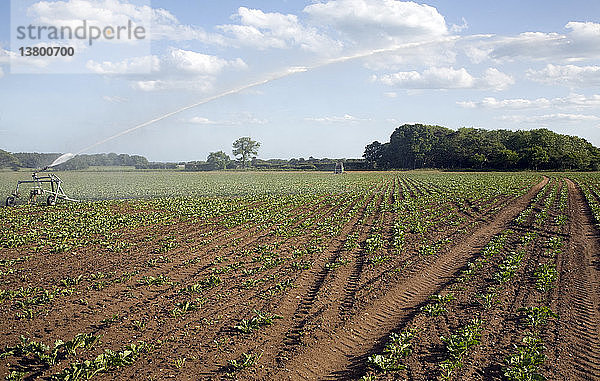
<point x="276" y="276"/>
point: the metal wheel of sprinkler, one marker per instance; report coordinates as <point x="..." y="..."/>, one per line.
<point x="51" y="200"/>
<point x="10" y="201"/>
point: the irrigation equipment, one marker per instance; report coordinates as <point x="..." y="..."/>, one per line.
<point x="40" y="186"/>
<point x="55" y="191"/>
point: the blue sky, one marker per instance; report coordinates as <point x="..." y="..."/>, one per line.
<point x="510" y="64"/>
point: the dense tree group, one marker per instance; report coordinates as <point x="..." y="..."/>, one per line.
<point x="218" y="160"/>
<point x="8" y="161"/>
<point x="420" y="146"/>
<point x="40" y="160"/>
<point x="104" y="159"/>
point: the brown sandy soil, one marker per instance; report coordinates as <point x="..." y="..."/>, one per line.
<point x="338" y="305"/>
<point x="571" y="340"/>
<point x="333" y="355"/>
<point x="579" y="304"/>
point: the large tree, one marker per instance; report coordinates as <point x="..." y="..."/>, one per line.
<point x="246" y="149"/>
<point x="218" y="159"/>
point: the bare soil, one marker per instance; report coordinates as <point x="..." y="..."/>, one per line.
<point x="338" y="308"/>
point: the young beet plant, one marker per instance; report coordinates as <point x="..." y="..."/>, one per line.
<point x="246" y="360"/>
<point x="523" y="365"/>
<point x="261" y="319"/>
<point x="545" y="276"/>
<point x="35" y="353"/>
<point x="183" y="308"/>
<point x="103" y="363"/>
<point x="438" y="305"/>
<point x="508" y="268"/>
<point x="538" y="316"/>
<point x="158" y="280"/>
<point x="397" y="348"/>
<point x="487" y="300"/>
<point x="457" y="346"/>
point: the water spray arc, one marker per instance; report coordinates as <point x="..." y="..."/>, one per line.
<point x="271" y="78"/>
<point x="275" y="76"/>
<point x="56" y="191"/>
<point x="60" y="160"/>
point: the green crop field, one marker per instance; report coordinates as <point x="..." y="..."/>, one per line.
<point x="96" y="185"/>
<point x="107" y="185"/>
<point x="277" y="275"/>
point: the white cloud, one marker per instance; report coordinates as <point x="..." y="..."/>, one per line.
<point x="467" y="104"/>
<point x="133" y="65"/>
<point x="252" y="36"/>
<point x="477" y="51"/>
<point x="578" y="101"/>
<point x="249" y="118"/>
<point x="459" y="28"/>
<point x="550" y="118"/>
<point x="274" y="30"/>
<point x="579" y="43"/>
<point x="72" y="12"/>
<point x="201" y="120"/>
<point x="584" y="31"/>
<point x="495" y="79"/>
<point x="533" y="45"/>
<point x="198" y="63"/>
<point x="571" y="101"/>
<point x="439" y="52"/>
<point x="199" y="84"/>
<point x="115" y="99"/>
<point x="432" y="78"/>
<point x="346" y="118"/>
<point x="446" y="78"/>
<point x="239" y="119"/>
<point x="569" y="75"/>
<point x="1" y="72"/>
<point x="162" y="23"/>
<point x="176" y="69"/>
<point x="377" y="20"/>
<point x="153" y="85"/>
<point x="336" y="24"/>
<point x="493" y="103"/>
<point x="166" y="26"/>
<point x="390" y="94"/>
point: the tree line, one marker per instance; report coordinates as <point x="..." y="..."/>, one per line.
<point x="40" y="160"/>
<point x="244" y="148"/>
<point x="413" y="146"/>
<point x="245" y="151"/>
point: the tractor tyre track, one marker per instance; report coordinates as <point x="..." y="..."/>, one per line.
<point x="301" y="315"/>
<point x="335" y="356"/>
<point x="579" y="307"/>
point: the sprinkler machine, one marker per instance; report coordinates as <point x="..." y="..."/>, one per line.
<point x="54" y="191"/>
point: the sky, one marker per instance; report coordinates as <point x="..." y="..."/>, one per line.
<point x="305" y="78"/>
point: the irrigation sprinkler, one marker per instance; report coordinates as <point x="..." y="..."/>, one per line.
<point x="40" y="185"/>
